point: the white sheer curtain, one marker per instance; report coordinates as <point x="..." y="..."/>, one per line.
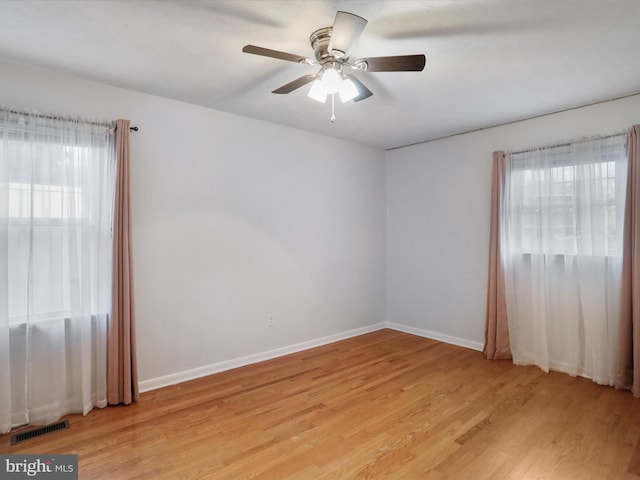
<point x="56" y="212"/>
<point x="562" y="225"/>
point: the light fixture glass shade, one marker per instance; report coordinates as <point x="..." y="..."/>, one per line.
<point x="348" y="90"/>
<point x="318" y="91"/>
<point x="332" y="80"/>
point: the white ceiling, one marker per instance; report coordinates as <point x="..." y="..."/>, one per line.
<point x="488" y="61"/>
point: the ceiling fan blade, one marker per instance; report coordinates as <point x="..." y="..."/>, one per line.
<point x="398" y="63"/>
<point x="297" y="83"/>
<point x="363" y="92"/>
<point x="267" y="52"/>
<point x="347" y="28"/>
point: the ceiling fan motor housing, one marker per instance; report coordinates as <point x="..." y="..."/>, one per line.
<point x="320" y="44"/>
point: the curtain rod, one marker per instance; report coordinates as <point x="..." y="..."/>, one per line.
<point x="57" y="117"/>
<point x="566" y="144"/>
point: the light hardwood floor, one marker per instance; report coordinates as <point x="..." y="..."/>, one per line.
<point x="386" y="405"/>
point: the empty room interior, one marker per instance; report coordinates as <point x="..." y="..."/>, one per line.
<point x="320" y="239"/>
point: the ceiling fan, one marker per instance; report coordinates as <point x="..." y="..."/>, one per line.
<point x="332" y="47"/>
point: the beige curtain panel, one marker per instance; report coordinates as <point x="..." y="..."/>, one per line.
<point x="628" y="372"/>
<point x="122" y="374"/>
<point x="496" y="335"/>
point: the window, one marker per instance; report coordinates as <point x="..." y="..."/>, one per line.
<point x="56" y="224"/>
<point x="49" y="202"/>
<point x="567" y="200"/>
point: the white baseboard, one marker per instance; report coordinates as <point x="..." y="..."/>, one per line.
<point x="461" y="342"/>
<point x="191" y="374"/>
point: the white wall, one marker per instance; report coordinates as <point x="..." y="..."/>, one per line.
<point x="233" y="220"/>
<point x="438" y="201"/>
<point x="236" y="219"/>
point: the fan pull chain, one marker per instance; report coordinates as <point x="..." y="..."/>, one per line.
<point x="333" y="108"/>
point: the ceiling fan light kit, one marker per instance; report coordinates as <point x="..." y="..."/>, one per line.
<point x="330" y="82"/>
<point x="332" y="47"/>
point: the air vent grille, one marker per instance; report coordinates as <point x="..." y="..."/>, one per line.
<point x="38" y="432"/>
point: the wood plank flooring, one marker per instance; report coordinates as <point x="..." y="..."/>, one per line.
<point x="386" y="405"/>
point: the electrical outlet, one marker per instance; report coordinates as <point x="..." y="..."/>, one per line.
<point x="271" y="322"/>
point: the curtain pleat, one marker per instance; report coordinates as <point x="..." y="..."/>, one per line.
<point x="628" y="367"/>
<point x="122" y="375"/>
<point x="496" y="334"/>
